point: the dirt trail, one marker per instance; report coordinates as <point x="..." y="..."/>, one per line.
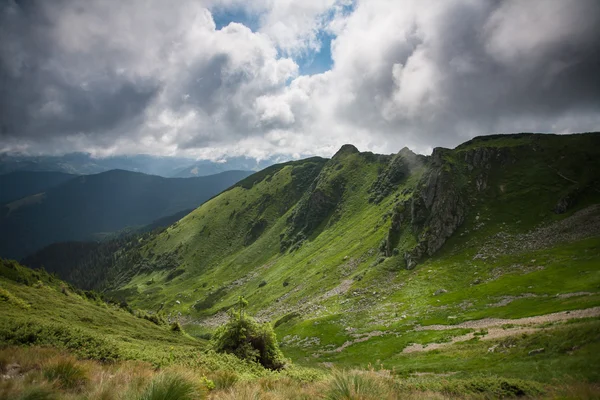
<point x="540" y="319"/>
<point x="494" y="330"/>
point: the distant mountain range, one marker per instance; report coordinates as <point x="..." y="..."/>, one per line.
<point x="84" y="164"/>
<point x="19" y="184"/>
<point x="87" y="207"/>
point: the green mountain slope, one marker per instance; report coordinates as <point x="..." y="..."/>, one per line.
<point x="39" y="309"/>
<point x="97" y="204"/>
<point x="355" y="258"/>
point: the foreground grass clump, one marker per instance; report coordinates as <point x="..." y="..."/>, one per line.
<point x="356" y="386"/>
<point x="249" y="340"/>
<point x="67" y="374"/>
<point x="172" y="387"/>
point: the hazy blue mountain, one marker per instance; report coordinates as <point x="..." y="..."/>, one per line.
<point x="83" y="163"/>
<point x="86" y="206"/>
<point x="19" y="184"/>
<point x="207" y="167"/>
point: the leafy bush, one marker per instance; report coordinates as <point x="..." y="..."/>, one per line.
<point x="249" y="340"/>
<point x="208" y="384"/>
<point x="176" y="327"/>
<point x="66" y="374"/>
<point x="8" y="297"/>
<point x="174" y="274"/>
<point x="157" y="318"/>
<point x="498" y="387"/>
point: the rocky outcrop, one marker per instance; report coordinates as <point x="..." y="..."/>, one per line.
<point x="439" y="203"/>
<point x="482" y="160"/>
<point x="397" y="170"/>
<point x="256" y="229"/>
<point x="568" y="201"/>
<point x="400" y="216"/>
<point x="437" y="208"/>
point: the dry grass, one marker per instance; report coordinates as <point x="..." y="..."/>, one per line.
<point x="25" y="376"/>
<point x="37" y="372"/>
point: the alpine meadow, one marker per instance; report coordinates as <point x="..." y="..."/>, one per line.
<point x="299" y="199"/>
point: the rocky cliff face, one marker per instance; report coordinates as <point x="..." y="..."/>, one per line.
<point x="397" y="170"/>
<point x="437" y="208"/>
<point x="439" y="203"/>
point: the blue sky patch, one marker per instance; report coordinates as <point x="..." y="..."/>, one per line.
<point x="321" y="61"/>
<point x="224" y="16"/>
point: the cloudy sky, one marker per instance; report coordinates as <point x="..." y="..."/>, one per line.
<point x="213" y="78"/>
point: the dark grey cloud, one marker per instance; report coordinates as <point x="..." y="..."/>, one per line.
<point x="47" y="91"/>
<point x="467" y="68"/>
<point x="156" y="76"/>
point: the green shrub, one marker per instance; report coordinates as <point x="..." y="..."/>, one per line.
<point x="176" y="327"/>
<point x="8" y="297"/>
<point x="171" y="387"/>
<point x="249" y="340"/>
<point x="174" y="274"/>
<point x="66" y="374"/>
<point x="208" y="384"/>
<point x="496" y="387"/>
<point x="157" y="318"/>
<point x="80" y="342"/>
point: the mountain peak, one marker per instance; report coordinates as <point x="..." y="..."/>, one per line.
<point x="346" y="149"/>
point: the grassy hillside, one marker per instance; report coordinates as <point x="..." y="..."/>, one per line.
<point x="37" y="308"/>
<point x="98" y="204"/>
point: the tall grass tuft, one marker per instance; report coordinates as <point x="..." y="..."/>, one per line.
<point x="224" y="379"/>
<point x="66" y="374"/>
<point x="356" y="386"/>
<point x="39" y="394"/>
<point x="172" y="387"/>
